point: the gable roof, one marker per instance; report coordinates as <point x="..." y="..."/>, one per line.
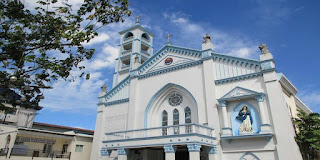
<point x="239" y="92"/>
<point x="169" y="48"/>
<point x="134" y="27"/>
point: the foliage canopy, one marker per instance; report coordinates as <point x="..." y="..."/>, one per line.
<point x="308" y="134"/>
<point x="41" y="45"/>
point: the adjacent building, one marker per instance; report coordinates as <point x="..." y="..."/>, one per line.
<point x="23" y="139"/>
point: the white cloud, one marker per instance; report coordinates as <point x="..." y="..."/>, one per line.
<point x="77" y="95"/>
<point x="189" y="34"/>
<point x="98" y="39"/>
<point x="104" y="58"/>
<point x="311" y="98"/>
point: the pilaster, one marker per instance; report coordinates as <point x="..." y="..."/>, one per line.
<point x="194" y="151"/>
<point x="226" y="130"/>
<point x="209" y="91"/>
<point x="170" y="152"/>
<point x="122" y="154"/>
<point x="213" y="153"/>
<point x="133" y="95"/>
<point x="286" y="147"/>
<point x="264" y="126"/>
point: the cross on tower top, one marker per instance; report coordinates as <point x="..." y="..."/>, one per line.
<point x="168" y="37"/>
<point x="137" y="19"/>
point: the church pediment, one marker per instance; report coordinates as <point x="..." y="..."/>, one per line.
<point x="168" y="61"/>
<point x="169" y="57"/>
<point x="239" y="92"/>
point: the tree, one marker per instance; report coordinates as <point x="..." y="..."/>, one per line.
<point x="308" y="134"/>
<point x="42" y="45"/>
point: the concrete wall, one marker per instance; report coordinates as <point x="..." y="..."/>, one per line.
<point x="86" y="152"/>
<point x="30" y="158"/>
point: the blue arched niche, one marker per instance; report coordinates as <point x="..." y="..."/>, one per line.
<point x="236" y="123"/>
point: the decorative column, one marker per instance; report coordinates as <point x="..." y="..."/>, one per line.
<point x="226" y="130"/>
<point x="122" y="154"/>
<point x="265" y="127"/>
<point x="170" y="152"/>
<point x="213" y="153"/>
<point x="194" y="151"/>
<point x="105" y="154"/>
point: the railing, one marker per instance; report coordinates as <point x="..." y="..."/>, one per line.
<point x="36" y="153"/>
<point x="3" y="151"/>
<point x="126" y="52"/>
<point x="125" y="67"/>
<point x="160" y="131"/>
<point x="9" y="117"/>
<point x="145" y="53"/>
<point x="128" y="39"/>
<point x="144" y="39"/>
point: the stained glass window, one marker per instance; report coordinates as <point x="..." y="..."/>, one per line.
<point x="175" y="99"/>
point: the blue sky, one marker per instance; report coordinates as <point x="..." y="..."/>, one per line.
<point x="289" y="28"/>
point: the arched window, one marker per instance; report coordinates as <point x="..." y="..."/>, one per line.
<point x="129" y="35"/>
<point x="187" y="119"/>
<point x="175" y="117"/>
<point x="164" y="118"/>
<point x="176" y="120"/>
<point x="164" y="122"/>
<point x="187" y="113"/>
<point x="145" y="36"/>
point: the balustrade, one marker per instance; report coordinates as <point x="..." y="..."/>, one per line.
<point x="161" y="131"/>
<point x="126" y="52"/>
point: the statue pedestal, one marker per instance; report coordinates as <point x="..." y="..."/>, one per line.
<point x="226" y="131"/>
<point x="265" y="128"/>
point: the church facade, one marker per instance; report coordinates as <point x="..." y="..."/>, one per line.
<point x="181" y="103"/>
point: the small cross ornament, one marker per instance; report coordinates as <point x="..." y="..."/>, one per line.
<point x="168" y="37"/>
<point x="137" y="19"/>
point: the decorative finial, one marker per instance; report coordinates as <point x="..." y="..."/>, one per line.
<point x="168" y="37"/>
<point x="104" y="88"/>
<point x="137" y="19"/>
<point x="263" y="48"/>
<point x="206" y="38"/>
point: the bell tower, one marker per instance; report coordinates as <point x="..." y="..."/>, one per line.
<point x="136" y="46"/>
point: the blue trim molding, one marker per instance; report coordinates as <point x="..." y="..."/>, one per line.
<point x="115" y="89"/>
<point x="248" y="137"/>
<point x="212" y="150"/>
<point x="115" y="102"/>
<point x="249" y="153"/>
<point x="122" y="151"/>
<point x="238" y="78"/>
<point x="105" y="152"/>
<point x="177" y="67"/>
<point x="170" y="149"/>
<point x="162" y="137"/>
<point x="195" y="147"/>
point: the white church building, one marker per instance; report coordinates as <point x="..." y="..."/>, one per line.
<point x="180" y="103"/>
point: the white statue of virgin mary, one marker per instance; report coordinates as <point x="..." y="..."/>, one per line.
<point x="244" y="116"/>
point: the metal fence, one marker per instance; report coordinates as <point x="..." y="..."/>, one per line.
<point x="35" y="153"/>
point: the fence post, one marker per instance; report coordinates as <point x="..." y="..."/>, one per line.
<point x="70" y="156"/>
<point x="32" y="154"/>
<point x="9" y="152"/>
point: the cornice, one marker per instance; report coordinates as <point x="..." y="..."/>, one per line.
<point x="238" y="78"/>
<point x="186" y="65"/>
